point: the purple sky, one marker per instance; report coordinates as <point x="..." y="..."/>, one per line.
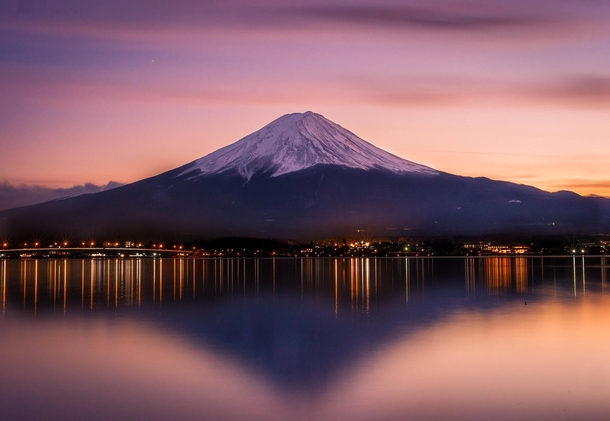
<point x="92" y="92"/>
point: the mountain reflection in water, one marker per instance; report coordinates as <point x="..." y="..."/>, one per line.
<point x="325" y="339"/>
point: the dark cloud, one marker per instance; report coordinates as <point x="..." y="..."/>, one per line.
<point x="12" y="196"/>
<point x="416" y="17"/>
<point x="591" y="88"/>
<point x="162" y="14"/>
<point x="589" y="91"/>
<point x="577" y="90"/>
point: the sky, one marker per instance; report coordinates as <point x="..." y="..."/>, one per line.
<point x="95" y="94"/>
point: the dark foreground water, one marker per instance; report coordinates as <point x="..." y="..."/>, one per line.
<point x="305" y="339"/>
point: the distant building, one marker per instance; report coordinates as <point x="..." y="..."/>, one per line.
<point x="505" y="249"/>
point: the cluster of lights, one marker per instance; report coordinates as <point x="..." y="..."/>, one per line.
<point x="359" y="244"/>
<point x="57" y="244"/>
<point x="55" y="248"/>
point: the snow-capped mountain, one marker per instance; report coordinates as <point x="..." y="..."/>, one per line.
<point x="305" y="177"/>
<point x="297" y="141"/>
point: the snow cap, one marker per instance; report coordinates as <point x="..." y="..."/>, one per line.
<point x="297" y="141"/>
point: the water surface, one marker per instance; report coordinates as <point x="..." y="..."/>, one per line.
<point x="328" y="339"/>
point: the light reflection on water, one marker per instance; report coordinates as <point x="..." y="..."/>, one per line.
<point x="325" y="339"/>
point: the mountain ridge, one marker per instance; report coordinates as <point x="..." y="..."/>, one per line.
<point x="227" y="193"/>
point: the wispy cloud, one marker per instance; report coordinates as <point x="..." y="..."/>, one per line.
<point x="418" y="17"/>
<point x="12" y="196"/>
<point x="592" y="91"/>
<point x="581" y="89"/>
<point x="138" y="15"/>
<point x="601" y="186"/>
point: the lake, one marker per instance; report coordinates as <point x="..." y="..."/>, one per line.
<point x="472" y="338"/>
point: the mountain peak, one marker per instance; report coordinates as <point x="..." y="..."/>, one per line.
<point x="297" y="141"/>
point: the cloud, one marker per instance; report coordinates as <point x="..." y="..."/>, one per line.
<point x="582" y="186"/>
<point x="592" y="91"/>
<point x="444" y="19"/>
<point x="12" y="196"/>
<point x="583" y="89"/>
<point x="585" y="184"/>
<point x="159" y="15"/>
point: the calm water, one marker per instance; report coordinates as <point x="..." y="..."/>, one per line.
<point x="305" y="339"/>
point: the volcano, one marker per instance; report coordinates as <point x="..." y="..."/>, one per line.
<point x="304" y="177"/>
<point x="295" y="142"/>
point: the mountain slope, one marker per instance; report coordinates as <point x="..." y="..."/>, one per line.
<point x="294" y="142"/>
<point x="303" y="177"/>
